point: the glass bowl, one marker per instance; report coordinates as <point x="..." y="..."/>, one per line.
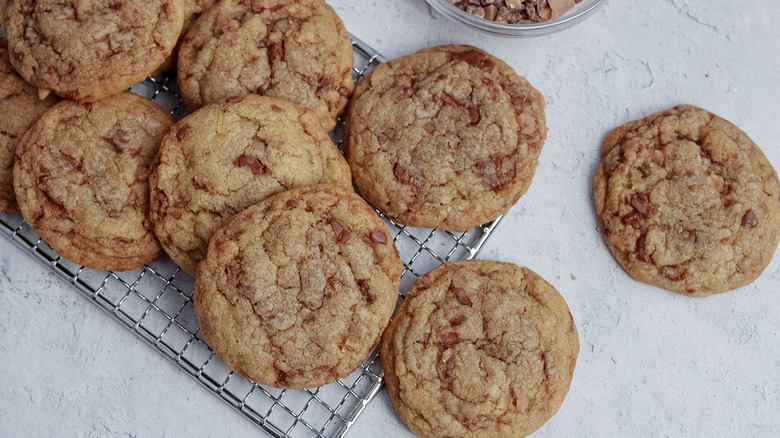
<point x="581" y="11"/>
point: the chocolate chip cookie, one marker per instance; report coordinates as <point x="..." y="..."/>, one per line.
<point x="87" y="193"/>
<point x="229" y="155"/>
<point x="296" y="290"/>
<point x="447" y="138"/>
<point x="85" y="51"/>
<point x="297" y="50"/>
<point x="20" y="107"/>
<point x="687" y="202"/>
<point x="479" y="349"/>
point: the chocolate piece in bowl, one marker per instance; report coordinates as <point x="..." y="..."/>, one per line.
<point x="516" y="11"/>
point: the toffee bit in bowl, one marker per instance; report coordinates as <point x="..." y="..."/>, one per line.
<point x="516" y="11"/>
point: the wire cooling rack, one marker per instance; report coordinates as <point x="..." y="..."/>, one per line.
<point x="156" y="304"/>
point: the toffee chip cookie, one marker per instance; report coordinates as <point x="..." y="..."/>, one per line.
<point x="687" y="202"/>
<point x="229" y="155"/>
<point x="446" y="138"/>
<point x="20" y="108"/>
<point x="479" y="349"/>
<point x="296" y="290"/>
<point x="82" y="180"/>
<point x="85" y="51"/>
<point x="297" y="50"/>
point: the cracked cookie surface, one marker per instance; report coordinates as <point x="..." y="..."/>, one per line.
<point x="296" y="290"/>
<point x="229" y="155"/>
<point x="87" y="50"/>
<point x="687" y="202"/>
<point x="87" y="193"/>
<point x="448" y="137"/>
<point x="20" y="108"/>
<point x="479" y="349"/>
<point x="295" y="50"/>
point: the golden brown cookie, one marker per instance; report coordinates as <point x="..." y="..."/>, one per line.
<point x="479" y="349"/>
<point x="20" y="107"/>
<point x="297" y="50"/>
<point x="85" y="51"/>
<point x="296" y="290"/>
<point x="445" y="138"/>
<point x="687" y="202"/>
<point x="82" y="180"/>
<point x="229" y="155"/>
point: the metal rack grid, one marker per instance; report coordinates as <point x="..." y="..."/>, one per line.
<point x="156" y="303"/>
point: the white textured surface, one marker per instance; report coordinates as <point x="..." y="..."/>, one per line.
<point x="651" y="363"/>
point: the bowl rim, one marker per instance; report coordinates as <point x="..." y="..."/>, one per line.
<point x="463" y="17"/>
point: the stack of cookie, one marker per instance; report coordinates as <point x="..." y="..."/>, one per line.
<point x="81" y="169"/>
<point x="108" y="181"/>
<point x="296" y="275"/>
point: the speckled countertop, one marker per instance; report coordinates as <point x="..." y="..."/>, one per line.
<point x="652" y="363"/>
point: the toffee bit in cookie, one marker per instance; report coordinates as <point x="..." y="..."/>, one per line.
<point x="365" y="289"/>
<point x="276" y="52"/>
<point x="449" y="367"/>
<point x="641" y="204"/>
<point x="252" y="163"/>
<point x="378" y="236"/>
<point x="181" y="133"/>
<point x="448" y="338"/>
<point x="673" y="273"/>
<point x="341" y="232"/>
<point x="516" y="11"/>
<point x="631" y="218"/>
<point x="400" y="173"/>
<point x="475" y="58"/>
<point x="458" y="320"/>
<point x="749" y="220"/>
<point x="205" y="185"/>
<point x="460" y="295"/>
<point x="641" y="250"/>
